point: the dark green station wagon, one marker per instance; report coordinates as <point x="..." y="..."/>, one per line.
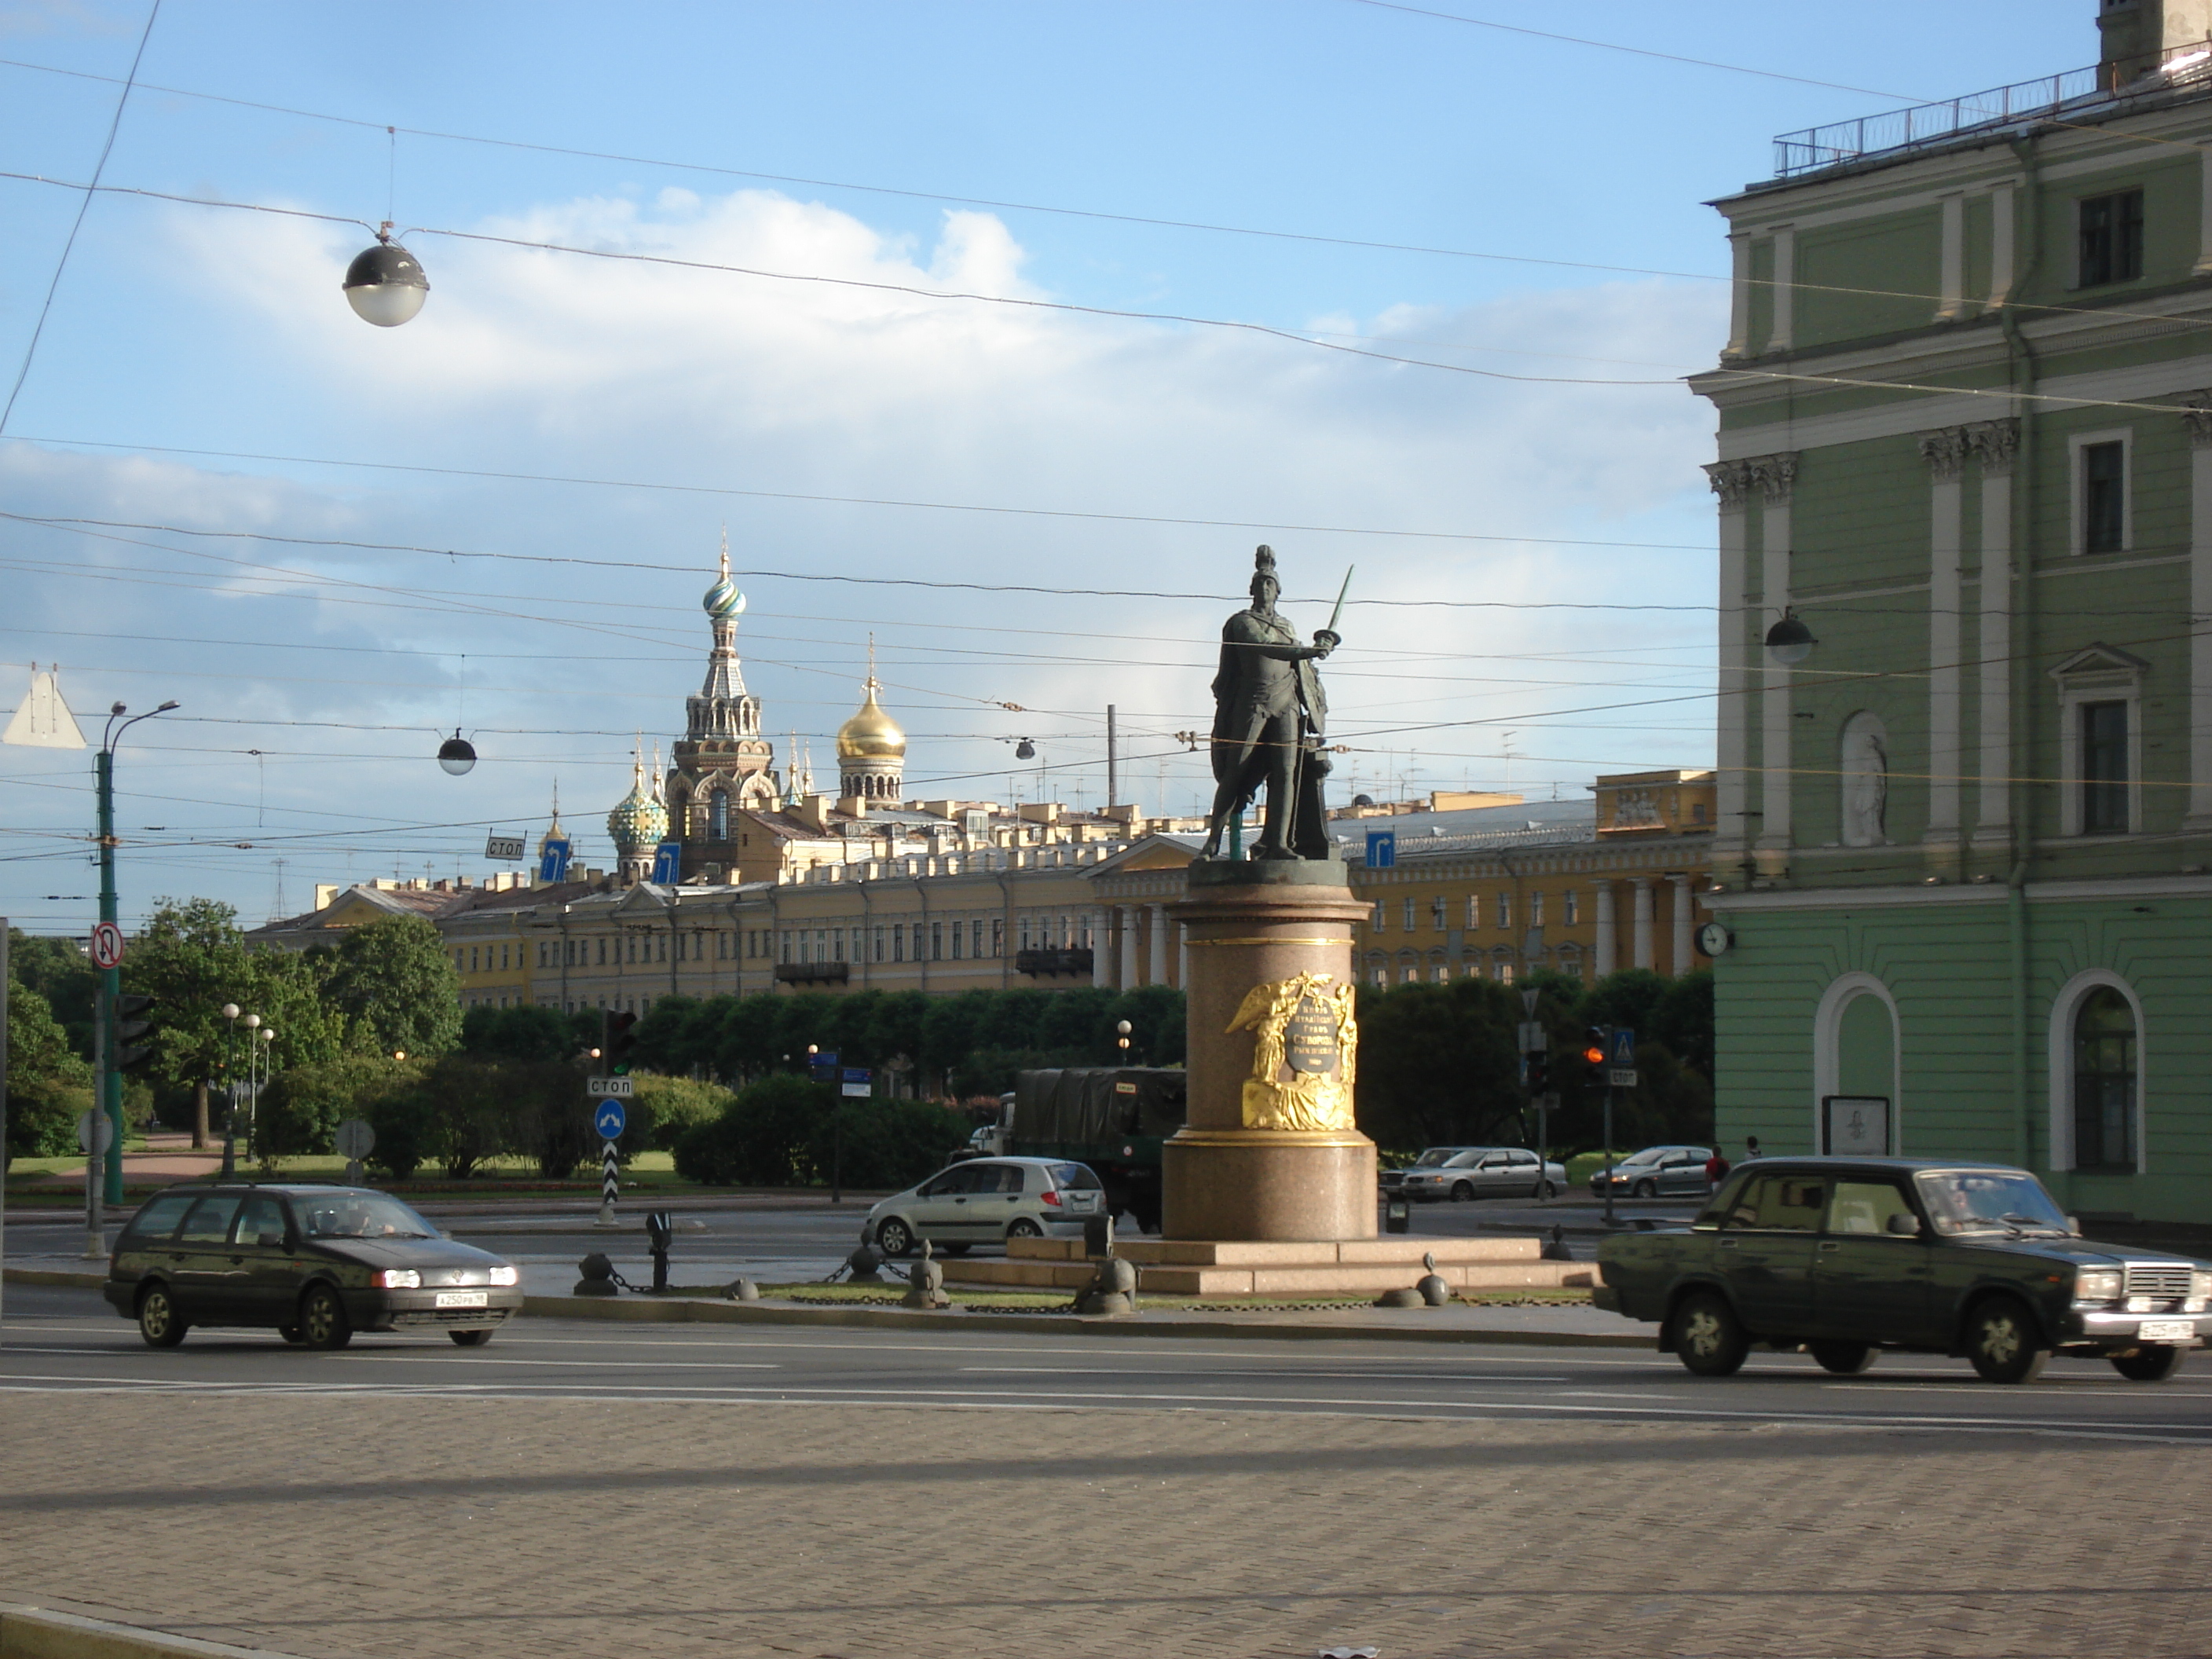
<point x="1844" y="1257"/>
<point x="314" y="1264"/>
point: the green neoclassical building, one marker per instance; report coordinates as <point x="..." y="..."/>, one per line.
<point x="1965" y="746"/>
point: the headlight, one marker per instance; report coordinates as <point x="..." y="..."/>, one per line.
<point x="2098" y="1285"/>
<point x="397" y="1279"/>
<point x="2200" y="1292"/>
<point x="506" y="1275"/>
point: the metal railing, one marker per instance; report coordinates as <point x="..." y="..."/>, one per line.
<point x="1897" y="131"/>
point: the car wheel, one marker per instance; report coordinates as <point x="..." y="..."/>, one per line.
<point x="1708" y="1337"/>
<point x="1462" y="1191"/>
<point x="469" y="1339"/>
<point x="1646" y="1189"/>
<point x="2003" y="1343"/>
<point x="1844" y="1358"/>
<point x="895" y="1238"/>
<point x="323" y="1323"/>
<point x="1022" y="1227"/>
<point x="2152" y="1363"/>
<point x="157" y="1317"/>
<point x="1545" y="1189"/>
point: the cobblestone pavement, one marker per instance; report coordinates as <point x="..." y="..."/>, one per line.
<point x="333" y="1525"/>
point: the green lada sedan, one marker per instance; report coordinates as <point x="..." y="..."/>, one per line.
<point x="1844" y="1257"/>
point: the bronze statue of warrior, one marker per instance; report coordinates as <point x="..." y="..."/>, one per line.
<point x="1269" y="719"/>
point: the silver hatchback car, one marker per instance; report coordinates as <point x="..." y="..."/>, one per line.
<point x="987" y="1200"/>
<point x="1485" y="1172"/>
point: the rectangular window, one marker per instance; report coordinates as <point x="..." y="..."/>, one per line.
<point x="937" y="941"/>
<point x="783" y="948"/>
<point x="2104" y="497"/>
<point x="1381" y="921"/>
<point x="1574" y="907"/>
<point x="2111" y="238"/>
<point x="1536" y="910"/>
<point x="898" y="945"/>
<point x="1406" y="915"/>
<point x="2104" y="769"/>
<point x="603" y="953"/>
<point x="959" y="938"/>
<point x="876" y="945"/>
<point x="1504" y="973"/>
<point x="917" y="942"/>
<point x="1437" y="912"/>
<point x="836" y="944"/>
<point x="1474" y="912"/>
<point x="1504" y="910"/>
<point x="998" y="936"/>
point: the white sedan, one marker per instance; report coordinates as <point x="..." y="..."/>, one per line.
<point x="987" y="1200"/>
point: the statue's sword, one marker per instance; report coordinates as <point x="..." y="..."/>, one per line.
<point x="1340" y="592"/>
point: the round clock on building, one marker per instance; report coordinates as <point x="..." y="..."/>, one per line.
<point x="1713" y="939"/>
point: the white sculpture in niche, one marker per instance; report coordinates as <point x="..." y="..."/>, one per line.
<point x="1866" y="780"/>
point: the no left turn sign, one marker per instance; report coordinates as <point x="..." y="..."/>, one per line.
<point x="106" y="945"/>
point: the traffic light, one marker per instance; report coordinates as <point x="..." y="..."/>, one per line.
<point x="621" y="1038"/>
<point x="1540" y="1071"/>
<point x="1595" y="1043"/>
<point x="128" y="1027"/>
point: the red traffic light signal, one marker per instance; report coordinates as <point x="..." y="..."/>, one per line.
<point x="1594" y="1045"/>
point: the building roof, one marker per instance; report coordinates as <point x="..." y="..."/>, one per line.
<point x="1475" y="829"/>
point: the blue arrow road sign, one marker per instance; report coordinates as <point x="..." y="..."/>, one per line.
<point x="667" y="863"/>
<point x="1382" y="849"/>
<point x="553" y="860"/>
<point x="609" y="1120"/>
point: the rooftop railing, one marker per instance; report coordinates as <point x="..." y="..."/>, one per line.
<point x="1900" y="130"/>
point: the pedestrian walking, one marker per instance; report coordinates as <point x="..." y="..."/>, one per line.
<point x="1717" y="1169"/>
<point x="1750" y="1147"/>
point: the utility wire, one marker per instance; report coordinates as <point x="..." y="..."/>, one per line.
<point x="99" y="167"/>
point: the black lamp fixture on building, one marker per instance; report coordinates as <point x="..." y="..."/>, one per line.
<point x="1789" y="641"/>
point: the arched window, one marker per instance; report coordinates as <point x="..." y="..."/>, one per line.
<point x="718" y="816"/>
<point x="2105" y="1082"/>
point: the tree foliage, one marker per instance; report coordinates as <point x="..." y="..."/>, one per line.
<point x="48" y="1083"/>
<point x="397" y="988"/>
<point x="786" y="1131"/>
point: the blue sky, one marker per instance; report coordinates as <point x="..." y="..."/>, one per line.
<point x="180" y="328"/>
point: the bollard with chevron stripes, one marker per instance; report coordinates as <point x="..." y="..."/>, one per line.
<point x="610" y="1186"/>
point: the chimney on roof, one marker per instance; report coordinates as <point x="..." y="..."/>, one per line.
<point x="2139" y="36"/>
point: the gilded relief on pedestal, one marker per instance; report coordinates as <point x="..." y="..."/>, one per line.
<point x="1304" y="1051"/>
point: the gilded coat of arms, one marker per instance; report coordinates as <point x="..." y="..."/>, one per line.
<point x="1305" y="1049"/>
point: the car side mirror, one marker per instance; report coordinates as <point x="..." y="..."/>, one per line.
<point x="1905" y="1225"/>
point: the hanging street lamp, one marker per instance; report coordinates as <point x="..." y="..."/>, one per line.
<point x="385" y="284"/>
<point x="457" y="754"/>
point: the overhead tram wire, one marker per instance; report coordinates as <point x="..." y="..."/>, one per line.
<point x="1319" y="342"/>
<point x="1102" y="216"/>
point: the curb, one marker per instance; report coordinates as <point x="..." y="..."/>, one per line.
<point x="699" y="1312"/>
<point x="41" y="1633"/>
<point x="900" y="1319"/>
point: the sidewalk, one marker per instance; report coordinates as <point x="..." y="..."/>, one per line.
<point x="358" y="1525"/>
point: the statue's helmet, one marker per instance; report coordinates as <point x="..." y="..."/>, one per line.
<point x="1263" y="570"/>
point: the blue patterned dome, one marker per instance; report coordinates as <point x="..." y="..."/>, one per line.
<point x="641" y="821"/>
<point x="723" y="601"/>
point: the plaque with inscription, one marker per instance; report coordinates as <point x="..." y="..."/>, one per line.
<point x="1309" y="1037"/>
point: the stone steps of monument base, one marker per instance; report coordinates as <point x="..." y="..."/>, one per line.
<point x="1397" y="1251"/>
<point x="1284" y="1279"/>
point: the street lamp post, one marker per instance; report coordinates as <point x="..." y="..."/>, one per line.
<point x="252" y="1048"/>
<point x="111" y="979"/>
<point x="230" y="1012"/>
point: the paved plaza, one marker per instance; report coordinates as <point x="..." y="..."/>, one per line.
<point x="321" y="1522"/>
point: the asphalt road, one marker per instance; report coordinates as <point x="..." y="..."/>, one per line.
<point x="775" y="1240"/>
<point x="67" y="1341"/>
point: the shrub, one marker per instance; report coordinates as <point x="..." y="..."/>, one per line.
<point x="674" y="1105"/>
<point x="42" y="1115"/>
<point x="888" y="1144"/>
<point x="764" y="1137"/>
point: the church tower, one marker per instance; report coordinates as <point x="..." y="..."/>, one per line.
<point x="721" y="764"/>
<point x="638" y="825"/>
<point x="870" y="748"/>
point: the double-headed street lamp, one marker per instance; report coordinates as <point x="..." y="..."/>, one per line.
<point x="111" y="979"/>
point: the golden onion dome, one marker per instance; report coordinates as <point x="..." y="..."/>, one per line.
<point x="871" y="734"/>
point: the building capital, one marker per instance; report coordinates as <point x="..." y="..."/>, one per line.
<point x="1945" y="450"/>
<point x="2196" y="419"/>
<point x="1995" y="443"/>
<point x="1772" y="476"/>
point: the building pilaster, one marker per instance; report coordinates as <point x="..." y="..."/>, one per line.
<point x="1996" y="443"/>
<point x="1608" y="933"/>
<point x="1644" y="930"/>
<point x="2198" y="419"/>
<point x="1945" y="451"/>
<point x="1777" y="477"/>
<point x="1685" y="909"/>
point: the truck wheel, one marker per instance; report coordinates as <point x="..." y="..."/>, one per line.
<point x="895" y="1238"/>
<point x="2003" y="1343"/>
<point x="1708" y="1337"/>
<point x="2152" y="1362"/>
